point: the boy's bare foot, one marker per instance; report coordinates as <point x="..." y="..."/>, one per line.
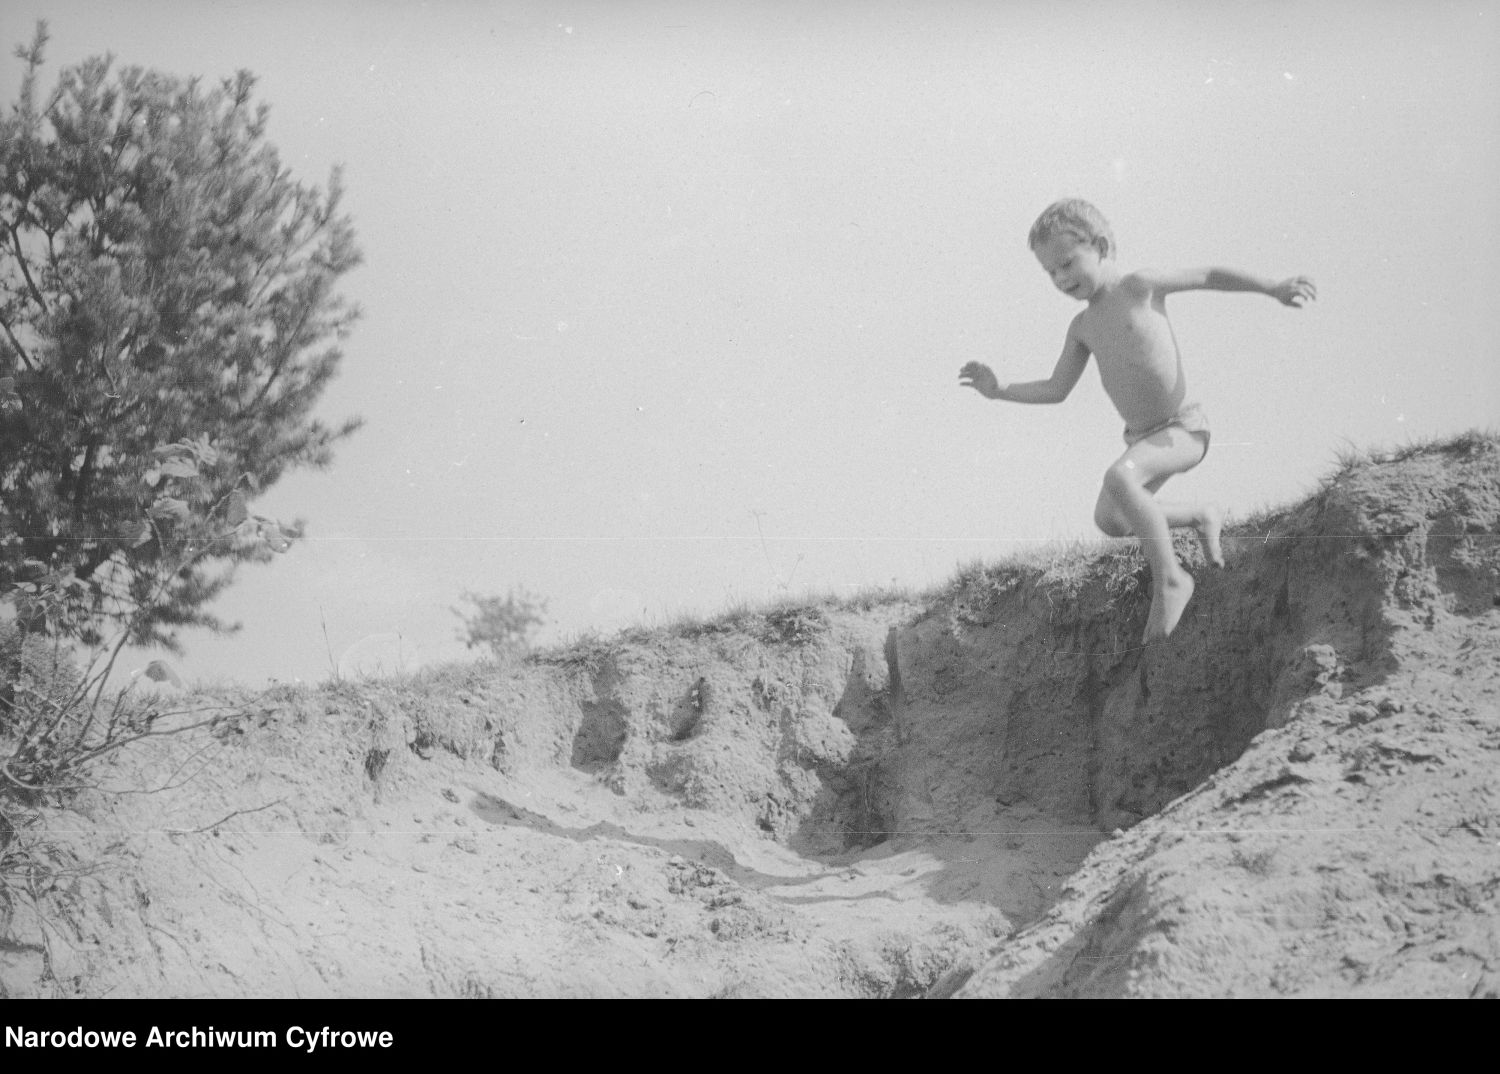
<point x="1208" y="534"/>
<point x="1167" y="605"/>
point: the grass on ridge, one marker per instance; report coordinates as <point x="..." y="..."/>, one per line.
<point x="1063" y="567"/>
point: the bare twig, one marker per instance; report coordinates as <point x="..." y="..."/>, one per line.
<point x="221" y="820"/>
<point x="328" y="645"/>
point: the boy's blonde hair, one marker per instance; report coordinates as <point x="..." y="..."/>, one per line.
<point x="1076" y="217"/>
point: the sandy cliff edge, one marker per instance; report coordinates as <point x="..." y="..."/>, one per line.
<point x="993" y="791"/>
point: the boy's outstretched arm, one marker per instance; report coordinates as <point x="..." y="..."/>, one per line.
<point x="1293" y="291"/>
<point x="1054" y="389"/>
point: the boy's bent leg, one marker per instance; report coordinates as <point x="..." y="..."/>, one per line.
<point x="1207" y="519"/>
<point x="1129" y="483"/>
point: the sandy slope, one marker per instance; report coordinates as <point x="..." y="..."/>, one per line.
<point x="391" y="852"/>
<point x="1353" y="852"/>
<point x="994" y="793"/>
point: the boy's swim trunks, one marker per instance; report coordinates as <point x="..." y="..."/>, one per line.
<point x="1190" y="417"/>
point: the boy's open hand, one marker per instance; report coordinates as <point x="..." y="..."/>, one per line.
<point x="1294" y="292"/>
<point x="980" y="377"/>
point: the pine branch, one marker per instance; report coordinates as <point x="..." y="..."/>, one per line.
<point x="16" y="344"/>
<point x="36" y="294"/>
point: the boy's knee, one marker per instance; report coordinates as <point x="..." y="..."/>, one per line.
<point x="1120" y="475"/>
<point x="1110" y="522"/>
<point x="1108" y="518"/>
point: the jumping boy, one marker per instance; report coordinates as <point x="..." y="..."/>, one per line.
<point x="1125" y="327"/>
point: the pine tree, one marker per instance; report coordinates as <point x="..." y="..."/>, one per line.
<point x="167" y="309"/>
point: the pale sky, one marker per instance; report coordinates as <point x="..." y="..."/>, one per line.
<point x="665" y="301"/>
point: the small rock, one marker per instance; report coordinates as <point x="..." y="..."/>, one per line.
<point x="467" y="843"/>
<point x="950" y="982"/>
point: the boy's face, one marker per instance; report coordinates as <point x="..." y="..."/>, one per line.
<point x="1073" y="264"/>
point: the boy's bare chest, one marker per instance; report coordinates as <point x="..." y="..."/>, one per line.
<point x="1128" y="333"/>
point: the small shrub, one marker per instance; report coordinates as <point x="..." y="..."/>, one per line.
<point x="503" y="624"/>
<point x="58" y="717"/>
<point x="793" y="625"/>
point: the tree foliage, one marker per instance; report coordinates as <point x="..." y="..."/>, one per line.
<point x="503" y="624"/>
<point x="167" y="312"/>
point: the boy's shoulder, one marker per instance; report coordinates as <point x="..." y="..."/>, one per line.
<point x="1139" y="282"/>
